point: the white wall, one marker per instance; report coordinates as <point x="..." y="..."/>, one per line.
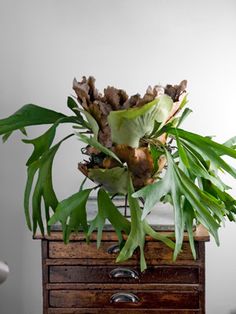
<point x="129" y="44"/>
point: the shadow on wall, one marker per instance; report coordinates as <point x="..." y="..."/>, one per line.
<point x="232" y="312"/>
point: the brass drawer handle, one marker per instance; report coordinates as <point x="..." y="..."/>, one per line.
<point x="124" y="297"/>
<point x="121" y="272"/>
<point x="114" y="249"/>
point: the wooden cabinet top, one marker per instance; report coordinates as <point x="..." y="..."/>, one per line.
<point x="200" y="234"/>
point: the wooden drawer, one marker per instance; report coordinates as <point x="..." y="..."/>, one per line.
<point x="77" y="277"/>
<point x="153" y="251"/>
<point x="158" y="299"/>
<point x="124" y="274"/>
<point x="80" y="249"/>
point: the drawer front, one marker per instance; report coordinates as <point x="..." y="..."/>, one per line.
<point x="159" y="251"/>
<point x="80" y="249"/>
<point x="117" y="299"/>
<point x="111" y="274"/>
<point x="153" y="251"/>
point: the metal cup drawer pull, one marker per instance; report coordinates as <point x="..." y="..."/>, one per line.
<point x="124" y="297"/>
<point x="122" y="272"/>
<point x="114" y="249"/>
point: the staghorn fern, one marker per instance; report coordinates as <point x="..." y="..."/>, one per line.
<point x="135" y="148"/>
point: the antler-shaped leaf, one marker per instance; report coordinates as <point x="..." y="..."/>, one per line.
<point x="139" y="229"/>
<point x="107" y="210"/>
<point x="71" y="212"/>
<point x="29" y="115"/>
<point x="208" y="210"/>
<point x="43" y="190"/>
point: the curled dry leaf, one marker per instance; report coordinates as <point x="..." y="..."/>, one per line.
<point x="175" y="91"/>
<point x="82" y="91"/>
<point x="132" y="101"/>
<point x="115" y="97"/>
<point x="139" y="162"/>
<point x="83" y="168"/>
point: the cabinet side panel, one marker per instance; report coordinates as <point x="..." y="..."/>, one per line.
<point x="202" y="276"/>
<point x="44" y="250"/>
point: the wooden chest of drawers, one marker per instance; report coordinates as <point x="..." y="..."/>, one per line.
<point x="78" y="278"/>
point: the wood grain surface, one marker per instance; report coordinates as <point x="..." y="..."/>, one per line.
<point x="153" y="250"/>
<point x="148" y="299"/>
<point x="105" y="274"/>
<point x="77" y="277"/>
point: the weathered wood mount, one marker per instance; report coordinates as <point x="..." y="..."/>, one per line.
<point x="78" y="278"/>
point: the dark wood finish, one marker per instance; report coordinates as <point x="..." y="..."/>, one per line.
<point x="202" y="275"/>
<point x="76" y="277"/>
<point x="147" y="299"/>
<point x="153" y="250"/>
<point x="121" y="286"/>
<point x="102" y="274"/>
<point x="44" y="248"/>
<point x="134" y="262"/>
